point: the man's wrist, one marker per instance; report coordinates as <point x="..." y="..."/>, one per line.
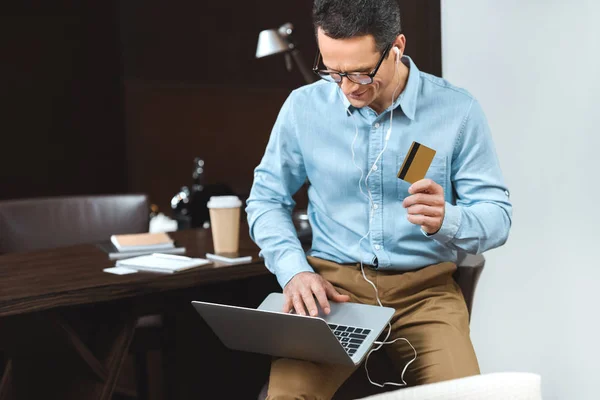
<point x="290" y="265"/>
<point x="450" y="224"/>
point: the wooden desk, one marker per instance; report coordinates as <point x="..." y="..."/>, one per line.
<point x="37" y="288"/>
<point x="71" y="276"/>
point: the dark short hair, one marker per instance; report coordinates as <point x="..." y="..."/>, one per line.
<point x="343" y="19"/>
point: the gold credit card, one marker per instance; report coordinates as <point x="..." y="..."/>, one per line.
<point x="416" y="163"/>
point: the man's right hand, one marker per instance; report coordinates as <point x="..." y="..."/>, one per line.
<point x="301" y="290"/>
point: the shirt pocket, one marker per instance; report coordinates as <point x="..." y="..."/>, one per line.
<point x="437" y="172"/>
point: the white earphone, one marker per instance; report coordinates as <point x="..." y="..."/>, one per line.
<point x="397" y="50"/>
<point x="369" y="198"/>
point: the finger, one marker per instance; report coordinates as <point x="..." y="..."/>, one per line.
<point x="299" y="304"/>
<point x="334" y="295"/>
<point x="423" y="198"/>
<point x="428" y="222"/>
<point x="287" y="306"/>
<point x="425" y="186"/>
<point x="309" y="301"/>
<point x="321" y="296"/>
<point x="428" y="211"/>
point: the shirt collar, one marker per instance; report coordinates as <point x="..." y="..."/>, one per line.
<point x="407" y="99"/>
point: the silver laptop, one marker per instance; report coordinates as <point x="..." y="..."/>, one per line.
<point x="342" y="337"/>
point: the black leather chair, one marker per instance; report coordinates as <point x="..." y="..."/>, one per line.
<point x="467" y="275"/>
<point x="42" y="223"/>
<point x="34" y="224"/>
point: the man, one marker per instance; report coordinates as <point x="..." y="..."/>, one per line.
<point x="405" y="237"/>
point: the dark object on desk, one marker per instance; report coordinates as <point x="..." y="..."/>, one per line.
<point x="189" y="205"/>
<point x="303" y="229"/>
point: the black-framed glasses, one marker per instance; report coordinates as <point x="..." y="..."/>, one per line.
<point x="357" y="77"/>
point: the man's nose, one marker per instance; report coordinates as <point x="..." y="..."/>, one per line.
<point x="348" y="86"/>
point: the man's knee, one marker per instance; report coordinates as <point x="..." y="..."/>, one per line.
<point x="302" y="387"/>
<point x="294" y="379"/>
<point x="447" y="366"/>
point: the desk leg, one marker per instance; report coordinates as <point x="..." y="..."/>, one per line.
<point x="117" y="357"/>
<point x="51" y="360"/>
<point x="6" y="390"/>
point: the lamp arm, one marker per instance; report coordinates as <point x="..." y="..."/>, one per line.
<point x="309" y="77"/>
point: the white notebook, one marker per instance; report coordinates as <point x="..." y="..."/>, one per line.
<point x="165" y="263"/>
<point x="229" y="258"/>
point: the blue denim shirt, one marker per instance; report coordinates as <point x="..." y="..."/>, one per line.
<point x="312" y="138"/>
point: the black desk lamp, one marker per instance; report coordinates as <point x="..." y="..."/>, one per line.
<point x="272" y="41"/>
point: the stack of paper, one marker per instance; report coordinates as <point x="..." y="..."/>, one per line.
<point x="142" y="241"/>
<point x="126" y="246"/>
<point x="165" y="263"/>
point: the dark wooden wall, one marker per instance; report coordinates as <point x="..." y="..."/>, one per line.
<point x="105" y="97"/>
<point x="61" y="111"/>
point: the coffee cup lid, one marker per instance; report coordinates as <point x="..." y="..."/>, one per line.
<point x="224" y="202"/>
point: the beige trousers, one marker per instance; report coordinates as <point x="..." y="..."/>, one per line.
<point x="430" y="312"/>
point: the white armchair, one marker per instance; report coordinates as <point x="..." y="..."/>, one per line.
<point x="496" y="386"/>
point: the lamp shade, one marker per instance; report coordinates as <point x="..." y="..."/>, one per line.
<point x="270" y="42"/>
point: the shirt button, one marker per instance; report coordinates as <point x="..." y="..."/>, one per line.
<point x="375" y="206"/>
<point x="377" y="247"/>
<point x="376" y="125"/>
<point x="374" y="167"/>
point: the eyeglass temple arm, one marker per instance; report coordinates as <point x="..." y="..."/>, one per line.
<point x="316" y="64"/>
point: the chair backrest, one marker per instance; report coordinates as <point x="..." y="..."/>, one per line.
<point x="467" y="275"/>
<point x="42" y="223"/>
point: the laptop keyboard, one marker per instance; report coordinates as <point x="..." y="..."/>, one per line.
<point x="349" y="336"/>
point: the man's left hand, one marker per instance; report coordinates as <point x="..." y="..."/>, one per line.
<point x="426" y="205"/>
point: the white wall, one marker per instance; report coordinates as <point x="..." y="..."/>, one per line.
<point x="535" y="67"/>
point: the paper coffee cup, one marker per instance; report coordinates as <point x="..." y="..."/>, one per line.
<point x="225" y="223"/>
